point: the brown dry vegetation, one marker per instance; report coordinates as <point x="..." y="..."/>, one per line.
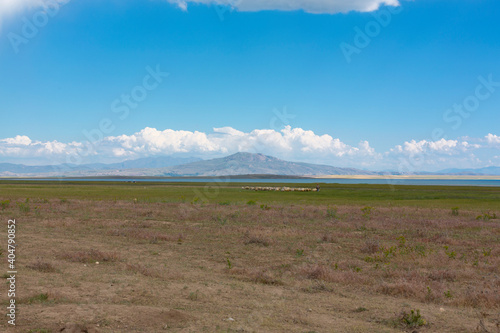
<point x="183" y="267"/>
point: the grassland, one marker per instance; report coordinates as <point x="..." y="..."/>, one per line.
<point x="155" y="257"/>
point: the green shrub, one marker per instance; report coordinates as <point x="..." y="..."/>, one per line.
<point x="23" y="207"/>
<point x="5" y="204"/>
<point x="366" y="211"/>
<point x="332" y="213"/>
<point x="412" y="319"/>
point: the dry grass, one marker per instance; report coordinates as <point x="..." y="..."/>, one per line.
<point x="90" y="256"/>
<point x="144" y="270"/>
<point x="275" y="269"/>
<point x="42" y="266"/>
<point x="256" y="239"/>
<point x="147" y="235"/>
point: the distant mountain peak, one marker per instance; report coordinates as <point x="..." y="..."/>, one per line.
<point x="252" y="157"/>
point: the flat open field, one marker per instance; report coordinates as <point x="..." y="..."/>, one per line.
<point x="156" y="257"/>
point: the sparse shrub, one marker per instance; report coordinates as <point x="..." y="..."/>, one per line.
<point x="486" y="216"/>
<point x="264" y="207"/>
<point x="251" y="202"/>
<point x="389" y="252"/>
<point x="366" y="211"/>
<point x="360" y="309"/>
<point x="299" y="252"/>
<point x="224" y="203"/>
<point x="486" y="252"/>
<point x="420" y="249"/>
<point x="332" y="213"/>
<point x="23" y="207"/>
<point x="229" y="265"/>
<point x="454" y="211"/>
<point x="222" y="220"/>
<point x="41" y="298"/>
<point x="411" y="319"/>
<point x="448" y="294"/>
<point x="5" y="204"/>
<point x="450" y="254"/>
<point x="193" y="296"/>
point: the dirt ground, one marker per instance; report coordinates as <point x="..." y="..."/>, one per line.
<point x="128" y="266"/>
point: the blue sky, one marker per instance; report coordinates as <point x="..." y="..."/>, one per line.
<point x="252" y="79"/>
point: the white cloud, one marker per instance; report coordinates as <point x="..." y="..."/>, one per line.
<point x="294" y="144"/>
<point x="442" y="146"/>
<point x="18" y="140"/>
<point x="493" y="139"/>
<point x="289" y="143"/>
<point x="310" y="6"/>
<point x="224" y="140"/>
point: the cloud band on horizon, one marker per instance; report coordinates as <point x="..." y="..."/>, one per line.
<point x="294" y="144"/>
<point x="309" y="6"/>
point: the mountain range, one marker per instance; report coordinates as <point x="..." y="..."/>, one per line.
<point x="233" y="165"/>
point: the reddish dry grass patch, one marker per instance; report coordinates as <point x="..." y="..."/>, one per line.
<point x="371" y="246"/>
<point x="89" y="256"/>
<point x="41" y="266"/>
<point x="257" y="239"/>
<point x="144" y="270"/>
<point x="148" y="235"/>
<point x="335" y="275"/>
<point x="257" y="275"/>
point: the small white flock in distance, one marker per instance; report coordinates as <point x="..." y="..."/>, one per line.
<point x="282" y="189"/>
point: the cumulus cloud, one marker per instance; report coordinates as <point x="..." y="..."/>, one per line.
<point x="493" y="139"/>
<point x="310" y="6"/>
<point x="289" y="142"/>
<point x="442" y="146"/>
<point x="294" y="144"/>
<point x="22" y="147"/>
